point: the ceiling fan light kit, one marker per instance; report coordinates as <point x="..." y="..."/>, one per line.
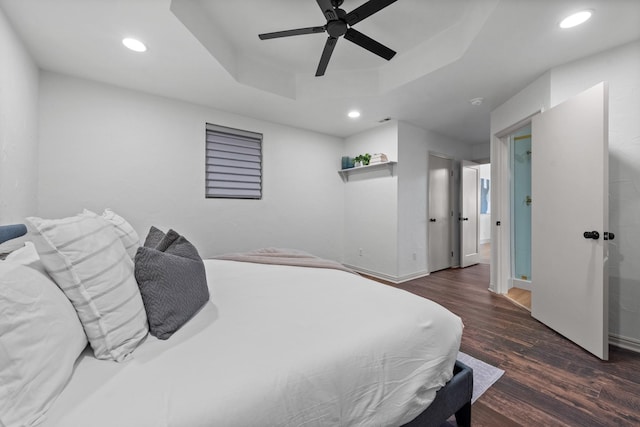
<point x="339" y="23"/>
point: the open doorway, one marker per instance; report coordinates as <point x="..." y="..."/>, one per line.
<point x="520" y="191"/>
<point x="484" y="192"/>
<point x="518" y="144"/>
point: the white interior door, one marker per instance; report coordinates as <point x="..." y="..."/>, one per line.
<point x="569" y="198"/>
<point x="439" y="213"/>
<point x="469" y="214"/>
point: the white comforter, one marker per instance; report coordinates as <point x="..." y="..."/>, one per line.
<point x="276" y="346"/>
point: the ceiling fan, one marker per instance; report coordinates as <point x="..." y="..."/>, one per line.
<point x="340" y="23"/>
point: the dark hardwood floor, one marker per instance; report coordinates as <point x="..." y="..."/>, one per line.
<point x="548" y="380"/>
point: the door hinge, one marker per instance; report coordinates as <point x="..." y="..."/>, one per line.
<point x="451" y="254"/>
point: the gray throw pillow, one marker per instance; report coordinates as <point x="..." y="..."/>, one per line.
<point x="172" y="281"/>
<point x="153" y="238"/>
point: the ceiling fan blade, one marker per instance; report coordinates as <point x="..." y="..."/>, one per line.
<point x="287" y="33"/>
<point x="328" y="10"/>
<point x="366" y="10"/>
<point x="326" y="55"/>
<point x="368" y="43"/>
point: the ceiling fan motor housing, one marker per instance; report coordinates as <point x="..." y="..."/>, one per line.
<point x="336" y="28"/>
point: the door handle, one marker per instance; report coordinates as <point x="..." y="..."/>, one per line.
<point x="591" y="235"/>
<point x="465" y="219"/>
<point x="608" y="235"/>
<point x="432" y="220"/>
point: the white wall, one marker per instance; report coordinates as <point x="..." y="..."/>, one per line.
<point x="621" y="69"/>
<point x="386" y="216"/>
<point x="143" y="156"/>
<point x="18" y="128"/>
<point x="413" y="155"/>
<point x="415" y="144"/>
<point x="481" y="153"/>
<point x="371" y="206"/>
<point x="532" y="99"/>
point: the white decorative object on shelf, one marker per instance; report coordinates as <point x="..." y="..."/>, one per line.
<point x="377" y="158"/>
<point x="344" y="173"/>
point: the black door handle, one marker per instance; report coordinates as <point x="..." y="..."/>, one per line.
<point x="432" y="220"/>
<point x="591" y="235"/>
<point x="465" y="219"/>
<point x="608" y="235"/>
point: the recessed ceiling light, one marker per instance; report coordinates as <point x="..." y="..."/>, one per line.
<point x="576" y="19"/>
<point x="476" y="101"/>
<point x="134" y="44"/>
<point x="354" y="114"/>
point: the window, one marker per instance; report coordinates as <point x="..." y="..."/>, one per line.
<point x="234" y="163"/>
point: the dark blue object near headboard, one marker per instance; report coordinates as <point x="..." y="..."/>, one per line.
<point x="8" y="232"/>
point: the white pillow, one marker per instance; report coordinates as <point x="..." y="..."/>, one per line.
<point x="40" y="340"/>
<point x="28" y="256"/>
<point x="125" y="231"/>
<point x="84" y="256"/>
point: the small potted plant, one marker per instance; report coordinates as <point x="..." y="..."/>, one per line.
<point x="362" y="159"/>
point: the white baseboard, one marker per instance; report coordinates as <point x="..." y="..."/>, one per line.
<point x="393" y="279"/>
<point x="519" y="283"/>
<point x="625" y="342"/>
<point x="412" y="276"/>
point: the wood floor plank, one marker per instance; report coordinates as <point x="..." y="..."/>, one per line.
<point x="520" y="296"/>
<point x="548" y="380"/>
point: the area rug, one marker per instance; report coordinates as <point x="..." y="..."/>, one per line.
<point x="484" y="376"/>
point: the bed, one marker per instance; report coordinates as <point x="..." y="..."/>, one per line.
<point x="279" y="345"/>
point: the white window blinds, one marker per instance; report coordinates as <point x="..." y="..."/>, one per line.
<point x="234" y="163"/>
